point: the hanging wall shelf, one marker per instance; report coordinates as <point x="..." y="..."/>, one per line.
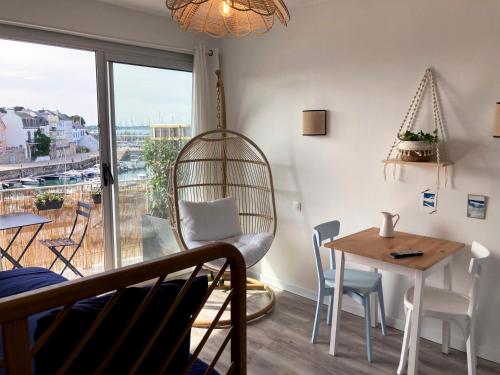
<point x="427" y="150"/>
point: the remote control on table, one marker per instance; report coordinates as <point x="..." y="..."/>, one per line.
<point x="406" y="254"/>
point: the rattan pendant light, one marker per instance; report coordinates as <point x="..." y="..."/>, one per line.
<point x="221" y="17"/>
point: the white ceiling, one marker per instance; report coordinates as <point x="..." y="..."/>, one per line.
<point x="158" y="6"/>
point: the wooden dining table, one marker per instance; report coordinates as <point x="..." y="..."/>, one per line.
<point x="369" y="249"/>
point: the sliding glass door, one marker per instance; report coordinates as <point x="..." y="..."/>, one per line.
<point x="150" y="121"/>
<point x="93" y="122"/>
<point x="50" y="155"/>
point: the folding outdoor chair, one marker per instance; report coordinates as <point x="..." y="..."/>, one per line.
<point x="82" y="210"/>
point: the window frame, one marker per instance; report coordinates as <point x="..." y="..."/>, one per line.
<point x="106" y="53"/>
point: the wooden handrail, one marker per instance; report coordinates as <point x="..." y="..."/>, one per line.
<point x="28" y="303"/>
<point x="15" y="310"/>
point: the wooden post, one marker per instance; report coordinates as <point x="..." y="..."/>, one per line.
<point x="17" y="346"/>
<point x="238" y="317"/>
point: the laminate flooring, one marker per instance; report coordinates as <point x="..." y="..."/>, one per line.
<point x="279" y="343"/>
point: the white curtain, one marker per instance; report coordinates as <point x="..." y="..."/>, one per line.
<point x="206" y="62"/>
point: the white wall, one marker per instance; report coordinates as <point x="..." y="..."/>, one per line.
<point x="362" y="60"/>
<point x="104" y="21"/>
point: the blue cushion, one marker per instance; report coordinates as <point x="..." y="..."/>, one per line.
<point x="25" y="279"/>
<point x="83" y="313"/>
<point x="199" y="368"/>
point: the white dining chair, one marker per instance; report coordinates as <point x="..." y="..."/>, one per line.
<point x="451" y="307"/>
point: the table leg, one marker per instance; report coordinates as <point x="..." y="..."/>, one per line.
<point x="8" y="256"/>
<point x="415" y="323"/>
<point x="337" y="299"/>
<point x="373" y="305"/>
<point x="445" y="347"/>
<point x="29" y="244"/>
<point x="5" y="252"/>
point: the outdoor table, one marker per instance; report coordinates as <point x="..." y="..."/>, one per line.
<point x="19" y="221"/>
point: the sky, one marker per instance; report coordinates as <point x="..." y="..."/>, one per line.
<point x="38" y="76"/>
<point x="146" y="95"/>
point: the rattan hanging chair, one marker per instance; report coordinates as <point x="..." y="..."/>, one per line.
<point x="219" y="164"/>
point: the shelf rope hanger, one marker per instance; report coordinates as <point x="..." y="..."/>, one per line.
<point x="409" y="121"/>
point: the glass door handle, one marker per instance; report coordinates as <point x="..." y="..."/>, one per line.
<point x="107" y="176"/>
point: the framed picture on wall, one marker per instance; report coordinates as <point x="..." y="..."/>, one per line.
<point x="429" y="201"/>
<point x="476" y="206"/>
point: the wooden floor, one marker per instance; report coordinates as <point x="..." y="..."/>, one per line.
<point x="279" y="344"/>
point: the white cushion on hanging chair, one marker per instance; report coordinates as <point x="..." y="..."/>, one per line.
<point x="210" y="221"/>
<point x="253" y="246"/>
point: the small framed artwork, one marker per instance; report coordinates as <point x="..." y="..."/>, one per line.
<point x="429" y="201"/>
<point x="476" y="206"/>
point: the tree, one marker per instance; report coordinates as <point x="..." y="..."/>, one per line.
<point x="159" y="156"/>
<point x="78" y="119"/>
<point x="42" y="144"/>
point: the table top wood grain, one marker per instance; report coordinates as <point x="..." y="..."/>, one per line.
<point x="368" y="243"/>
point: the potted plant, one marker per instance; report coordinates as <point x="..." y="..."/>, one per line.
<point x="158" y="239"/>
<point x="48" y="201"/>
<point x="418" y="147"/>
<point x="96" y="195"/>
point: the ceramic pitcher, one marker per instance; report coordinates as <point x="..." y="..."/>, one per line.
<point x="387" y="227"/>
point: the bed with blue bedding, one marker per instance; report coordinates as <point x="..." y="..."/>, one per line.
<point x="84" y="312"/>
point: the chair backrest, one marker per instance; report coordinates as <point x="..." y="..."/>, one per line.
<point x="322" y="232"/>
<point x="83" y="212"/>
<point x="220" y="164"/>
<point x="479" y="256"/>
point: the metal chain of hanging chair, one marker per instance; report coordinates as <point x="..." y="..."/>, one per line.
<point x="221" y="163"/>
<point x="218" y="164"/>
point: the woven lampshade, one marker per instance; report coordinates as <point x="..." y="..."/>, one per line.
<point x="221" y="17"/>
<point x="496" y="125"/>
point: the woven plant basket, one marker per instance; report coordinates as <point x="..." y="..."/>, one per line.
<point x="416" y="151"/>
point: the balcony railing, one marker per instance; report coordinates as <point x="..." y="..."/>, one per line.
<point x="90" y="257"/>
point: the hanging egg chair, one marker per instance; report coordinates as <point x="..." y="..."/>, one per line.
<point x="214" y="172"/>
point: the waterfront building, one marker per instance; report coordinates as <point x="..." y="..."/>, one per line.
<point x="20" y="128"/>
<point x="89" y="141"/>
<point x="59" y="126"/>
<point x="78" y="132"/>
<point x="170" y="131"/>
<point x="65" y="126"/>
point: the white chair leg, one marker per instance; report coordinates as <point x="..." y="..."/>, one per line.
<point x="405" y="347"/>
<point x="471" y="353"/>
<point x="317" y="316"/>
<point x="445" y="343"/>
<point x="330" y="311"/>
